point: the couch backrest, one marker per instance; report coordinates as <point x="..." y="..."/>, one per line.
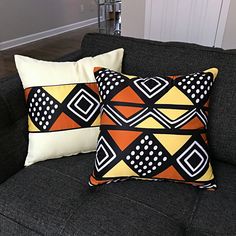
<point x="146" y="58"/>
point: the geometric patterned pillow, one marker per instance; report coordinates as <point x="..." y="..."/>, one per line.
<point x="63" y="104"/>
<point x="154" y="128"/>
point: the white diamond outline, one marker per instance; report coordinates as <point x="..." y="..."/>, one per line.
<point x="179" y="162"/>
<point x="166" y="83"/>
<point x="73" y="111"/>
<point x="151" y="90"/>
<point x="111" y="159"/>
<point x="107" y="155"/>
<point x="189" y="164"/>
<point x="91" y="104"/>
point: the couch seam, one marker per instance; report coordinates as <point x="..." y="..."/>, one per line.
<point x="132" y="200"/>
<point x="62" y="231"/>
<point x="195" y="207"/>
<point x="66" y="221"/>
<point x="24" y="226"/>
<point x="63" y="228"/>
<point x="148" y="207"/>
<point x="68" y="176"/>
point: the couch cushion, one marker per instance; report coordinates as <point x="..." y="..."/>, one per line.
<point x="215" y="213"/>
<point x="148" y="58"/>
<point x="53" y="198"/>
<point x="11" y="228"/>
<point x="13" y="126"/>
<point x="161" y="197"/>
<point x="212" y="213"/>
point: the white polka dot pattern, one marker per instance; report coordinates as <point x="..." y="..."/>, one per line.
<point x="42" y="108"/>
<point x="108" y="80"/>
<point x="148" y="158"/>
<point x="196" y="86"/>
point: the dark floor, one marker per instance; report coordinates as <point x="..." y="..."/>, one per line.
<point x="45" y="49"/>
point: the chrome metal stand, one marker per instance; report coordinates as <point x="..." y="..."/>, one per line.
<point x="105" y="25"/>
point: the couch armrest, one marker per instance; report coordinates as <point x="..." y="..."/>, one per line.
<point x="13" y="122"/>
<point x="13" y="127"/>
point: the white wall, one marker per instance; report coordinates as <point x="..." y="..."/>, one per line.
<point x="190" y="21"/>
<point x="229" y="39"/>
<point x="133" y="21"/>
<point x="133" y="18"/>
<point x="19" y="18"/>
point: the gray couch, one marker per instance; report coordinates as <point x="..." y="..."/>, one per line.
<point x="53" y="197"/>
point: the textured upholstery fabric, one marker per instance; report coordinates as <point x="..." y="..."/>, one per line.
<point x="53" y="198"/>
<point x="181" y="58"/>
<point x="11" y="228"/>
<point x="216" y="213"/>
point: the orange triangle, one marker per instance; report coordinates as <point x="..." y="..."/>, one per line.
<point x="207" y="103"/>
<point x="127" y="95"/>
<point x="95" y="69"/>
<point x="64" y="122"/>
<point x="128" y="111"/>
<point x="204" y="137"/>
<point x="174" y="77"/>
<point x="169" y="173"/>
<point x="123" y="138"/>
<point x="94" y="181"/>
<point x="93" y="86"/>
<point x="106" y="120"/>
<point x="27" y="91"/>
<point x="195" y="123"/>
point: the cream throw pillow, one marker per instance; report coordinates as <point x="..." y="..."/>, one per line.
<point x="63" y="104"/>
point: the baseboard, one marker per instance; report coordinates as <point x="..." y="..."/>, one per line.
<point x="45" y="34"/>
